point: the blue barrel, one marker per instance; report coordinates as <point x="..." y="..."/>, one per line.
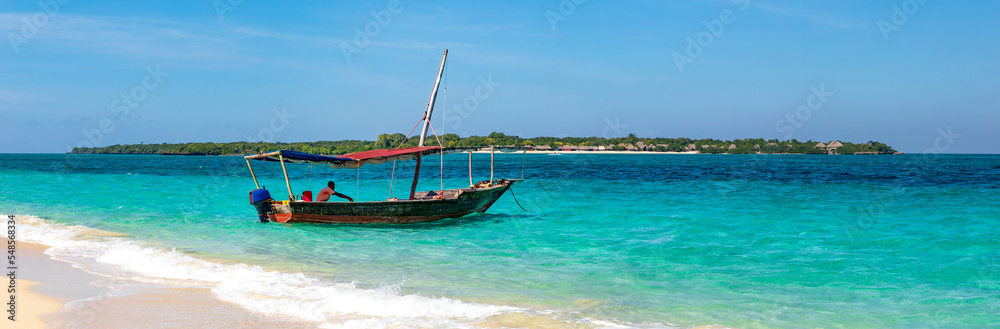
<point x="259" y="195"/>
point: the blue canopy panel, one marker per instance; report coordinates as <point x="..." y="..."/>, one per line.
<point x="292" y="156"/>
<point x="299" y="157"/>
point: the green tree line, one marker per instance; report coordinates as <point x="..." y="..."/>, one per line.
<point x="708" y="145"/>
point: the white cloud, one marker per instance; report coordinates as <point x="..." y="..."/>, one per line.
<point x="14" y="97"/>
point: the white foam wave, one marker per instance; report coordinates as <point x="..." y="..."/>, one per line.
<point x="336" y="304"/>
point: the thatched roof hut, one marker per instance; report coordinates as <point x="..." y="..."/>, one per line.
<point x="631" y="147"/>
<point x="732" y="146"/>
<point x="820" y="145"/>
<point x="834" y="144"/>
<point x="543" y="148"/>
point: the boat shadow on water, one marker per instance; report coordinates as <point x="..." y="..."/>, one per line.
<point x="447" y="223"/>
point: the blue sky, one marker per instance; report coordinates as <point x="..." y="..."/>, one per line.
<point x="233" y="70"/>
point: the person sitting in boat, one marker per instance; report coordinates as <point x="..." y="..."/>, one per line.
<point x="326" y="192"/>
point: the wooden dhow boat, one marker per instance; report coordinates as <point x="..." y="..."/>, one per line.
<point x="421" y="206"/>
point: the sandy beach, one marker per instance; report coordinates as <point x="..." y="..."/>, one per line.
<point x="55" y="294"/>
<point x="31" y="306"/>
<point x="39" y="281"/>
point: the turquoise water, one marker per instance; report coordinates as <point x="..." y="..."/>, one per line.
<point x="749" y="241"/>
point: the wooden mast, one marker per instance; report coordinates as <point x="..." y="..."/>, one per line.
<point x="252" y="174"/>
<point x="430" y="104"/>
<point x="427" y="122"/>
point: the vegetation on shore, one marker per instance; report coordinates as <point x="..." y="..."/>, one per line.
<point x="737" y="146"/>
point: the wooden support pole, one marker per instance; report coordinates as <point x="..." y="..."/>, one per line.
<point x="393" y="178"/>
<point x="491" y="164"/>
<point x="470" y="168"/>
<point x="287" y="184"/>
<point x="416" y="176"/>
<point x="441" y="174"/>
<point x="252" y="174"/>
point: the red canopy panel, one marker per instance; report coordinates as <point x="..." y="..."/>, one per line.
<point x="383" y="153"/>
<point x="386" y="155"/>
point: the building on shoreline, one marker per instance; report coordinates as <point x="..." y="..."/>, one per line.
<point x="831" y="147"/>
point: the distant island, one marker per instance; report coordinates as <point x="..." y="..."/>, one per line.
<point x="630" y="143"/>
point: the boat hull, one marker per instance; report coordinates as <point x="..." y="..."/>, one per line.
<point x="430" y="207"/>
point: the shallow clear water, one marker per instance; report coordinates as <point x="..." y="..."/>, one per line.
<point x="750" y="241"/>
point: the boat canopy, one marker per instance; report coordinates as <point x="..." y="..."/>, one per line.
<point x="296" y="157"/>
<point x="355" y="160"/>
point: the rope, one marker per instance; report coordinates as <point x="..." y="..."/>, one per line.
<point x="411" y="131"/>
<point x="401" y="145"/>
<point x="515" y="199"/>
<point x="441" y="155"/>
<point x="357" y="183"/>
<point x="444" y="108"/>
<point x="309" y="186"/>
<point x="436" y="136"/>
<point x="441" y="174"/>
